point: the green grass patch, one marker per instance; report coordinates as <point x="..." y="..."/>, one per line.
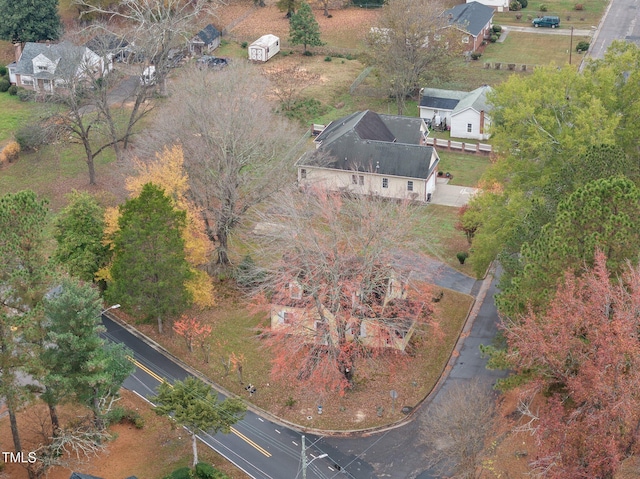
<point x="532" y="49"/>
<point x="438" y="236"/>
<point x="569" y="17"/>
<point x="466" y="169"/>
<point x="15" y="113"/>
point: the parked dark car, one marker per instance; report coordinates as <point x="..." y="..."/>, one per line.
<point x="546" y="21"/>
<point x="212" y="62"/>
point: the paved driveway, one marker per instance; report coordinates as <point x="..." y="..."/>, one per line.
<point x="450" y="195"/>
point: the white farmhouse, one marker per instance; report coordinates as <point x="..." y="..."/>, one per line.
<point x="466" y="114"/>
<point x="369" y="153"/>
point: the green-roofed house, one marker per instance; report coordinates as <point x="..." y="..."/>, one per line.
<point x="371" y="153"/>
<point x="465" y="114"/>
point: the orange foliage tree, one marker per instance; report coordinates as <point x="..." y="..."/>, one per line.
<point x="334" y="296"/>
<point x="167" y="172"/>
<point x="585" y="355"/>
<point x="192" y="330"/>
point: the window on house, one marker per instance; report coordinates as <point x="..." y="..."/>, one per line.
<point x="409" y="185"/>
<point x="303" y="174"/>
<point x="361" y="180"/>
<point x="42" y="68"/>
<point x="27" y="82"/>
<point x="385" y="182"/>
<point x="285" y="317"/>
<point x="354" y="179"/>
<point x="295" y="291"/>
<point x="469" y="127"/>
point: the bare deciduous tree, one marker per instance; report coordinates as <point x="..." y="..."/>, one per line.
<point x="289" y="82"/>
<point x="329" y="258"/>
<point x="412" y="44"/>
<point x="237" y="152"/>
<point x="457" y="428"/>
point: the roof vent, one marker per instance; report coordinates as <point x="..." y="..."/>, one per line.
<point x="377" y="166"/>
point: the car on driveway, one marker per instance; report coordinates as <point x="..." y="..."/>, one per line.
<point x="212" y="62"/>
<point x="546" y="21"/>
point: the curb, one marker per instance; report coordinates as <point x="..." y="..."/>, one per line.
<point x="471" y="316"/>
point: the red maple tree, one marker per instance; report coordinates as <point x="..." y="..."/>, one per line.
<point x="192" y="330"/>
<point x="585" y="354"/>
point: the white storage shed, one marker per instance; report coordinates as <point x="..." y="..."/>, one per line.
<point x="264" y="48"/>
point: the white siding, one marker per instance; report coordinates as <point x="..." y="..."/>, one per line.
<point x="498" y="5"/>
<point x="461" y="120"/>
<point x="428" y="114"/>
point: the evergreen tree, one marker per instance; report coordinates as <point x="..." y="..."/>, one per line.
<point x="78" y="362"/>
<point x="24" y="277"/>
<point x="149" y="269"/>
<point x="304" y="29"/>
<point x="79" y="230"/>
<point x="191" y="404"/>
<point x="29" y="21"/>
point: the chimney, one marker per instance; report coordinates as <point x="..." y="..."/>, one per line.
<point x="48" y="43"/>
<point x="481" y="122"/>
<point x="17" y="50"/>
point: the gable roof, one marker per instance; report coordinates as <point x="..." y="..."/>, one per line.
<point x="470" y="17"/>
<point x="454" y="100"/>
<point x="364" y="141"/>
<point x="208" y="34"/>
<point x="106" y="43"/>
<point x="65" y="55"/>
<point x="441" y="99"/>
<point x="477" y="99"/>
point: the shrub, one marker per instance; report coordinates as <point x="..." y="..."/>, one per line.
<point x="4" y="84"/>
<point x="31" y="136"/>
<point x="205" y="471"/>
<point x="493" y="38"/>
<point x="515" y="6"/>
<point x="582" y="46"/>
<point x="308" y="53"/>
<point x="524" y="3"/>
<point x="579" y="6"/>
<point x="518" y="16"/>
<point x="182" y="473"/>
<point x="476" y="55"/>
<point x="543" y="7"/>
<point x="462" y="256"/>
<point x="3" y="71"/>
<point x="13" y="90"/>
<point x="327" y="58"/>
<point x="284" y="54"/>
<point x="496" y="28"/>
<point x="349" y="56"/>
<point x="244" y="45"/>
<point x="247" y="274"/>
<point x="26" y="95"/>
<point x="10" y="153"/>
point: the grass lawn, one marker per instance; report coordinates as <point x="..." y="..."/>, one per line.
<point x="565" y="9"/>
<point x="15" y="114"/>
<point x="466" y="169"/>
<point x="518" y="48"/>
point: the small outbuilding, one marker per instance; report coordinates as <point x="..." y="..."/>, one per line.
<point x="207" y="40"/>
<point x="264" y="48"/>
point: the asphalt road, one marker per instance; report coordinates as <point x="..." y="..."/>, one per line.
<point x="261" y="448"/>
<point x="620" y="22"/>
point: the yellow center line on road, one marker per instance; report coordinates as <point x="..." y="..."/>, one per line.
<point x="162" y="380"/>
<point x="250" y="442"/>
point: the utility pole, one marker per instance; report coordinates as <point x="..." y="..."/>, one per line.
<point x="571" y="46"/>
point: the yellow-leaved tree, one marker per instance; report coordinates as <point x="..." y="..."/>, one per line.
<point x="167" y="172"/>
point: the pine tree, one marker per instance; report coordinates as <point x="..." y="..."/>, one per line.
<point x="29" y="21"/>
<point x="149" y="270"/>
<point x="304" y="29"/>
<point x="191" y="404"/>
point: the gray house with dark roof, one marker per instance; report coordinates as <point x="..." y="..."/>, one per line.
<point x="206" y="40"/>
<point x="465" y="114"/>
<point x="44" y="67"/>
<point x="474" y="22"/>
<point x="370" y="153"/>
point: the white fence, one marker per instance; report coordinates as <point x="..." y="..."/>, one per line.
<point x="461" y="146"/>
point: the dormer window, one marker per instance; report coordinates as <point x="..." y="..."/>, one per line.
<point x="295" y="291"/>
<point x="43" y="68"/>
